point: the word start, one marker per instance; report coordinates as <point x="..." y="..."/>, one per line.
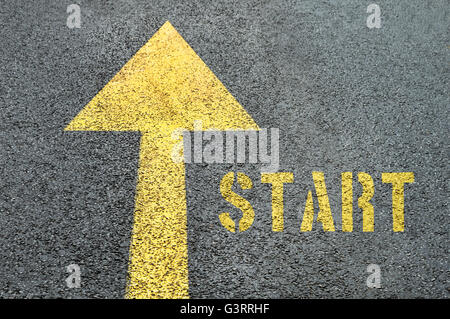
<point x="324" y="215"/>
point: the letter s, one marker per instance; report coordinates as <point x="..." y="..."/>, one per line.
<point x="248" y="213"/>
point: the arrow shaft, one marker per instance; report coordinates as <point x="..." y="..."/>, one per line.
<point x="158" y="265"/>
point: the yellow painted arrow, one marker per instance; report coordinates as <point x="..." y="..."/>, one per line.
<point x="164" y="86"/>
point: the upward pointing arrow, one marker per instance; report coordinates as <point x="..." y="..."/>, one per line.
<point x="164" y="86"/>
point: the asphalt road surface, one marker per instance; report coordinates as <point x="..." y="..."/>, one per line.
<point x="345" y="97"/>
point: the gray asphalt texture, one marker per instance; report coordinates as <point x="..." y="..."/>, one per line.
<point x="345" y="97"/>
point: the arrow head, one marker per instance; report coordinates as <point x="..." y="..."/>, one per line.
<point x="165" y="84"/>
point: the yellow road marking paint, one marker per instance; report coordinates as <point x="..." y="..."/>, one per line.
<point x="398" y="181"/>
<point x="165" y="81"/>
<point x="347" y="201"/>
<point x="364" y="201"/>
<point x="324" y="216"/>
<point x="248" y="214"/>
<point x="308" y="214"/>
<point x="277" y="180"/>
<point x="158" y="255"/>
<point x="164" y="86"/>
